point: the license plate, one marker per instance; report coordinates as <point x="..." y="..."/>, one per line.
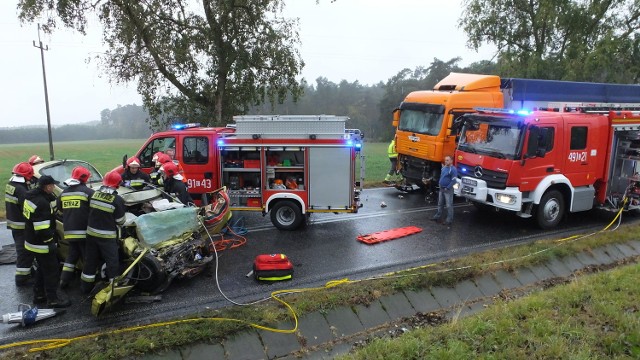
<point x="467" y="190"/>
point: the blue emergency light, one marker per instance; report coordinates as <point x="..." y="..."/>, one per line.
<point x="220" y="143"/>
<point x="522" y="112"/>
<point x="184" y="126"/>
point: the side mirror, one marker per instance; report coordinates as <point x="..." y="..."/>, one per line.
<point x="396" y="117"/>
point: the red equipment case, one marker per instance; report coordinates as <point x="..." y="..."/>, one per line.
<point x="272" y="267"/>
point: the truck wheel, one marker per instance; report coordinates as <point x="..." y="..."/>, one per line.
<point x="550" y="210"/>
<point x="286" y="215"/>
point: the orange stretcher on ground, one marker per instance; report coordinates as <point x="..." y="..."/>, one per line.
<point x="387" y="235"/>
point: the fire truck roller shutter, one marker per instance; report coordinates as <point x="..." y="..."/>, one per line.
<point x="330" y="178"/>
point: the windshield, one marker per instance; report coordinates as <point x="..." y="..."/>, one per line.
<point x="420" y="121"/>
<point x="61" y="171"/>
<point x="493" y="136"/>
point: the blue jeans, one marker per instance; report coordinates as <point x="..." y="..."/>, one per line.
<point x="445" y="197"/>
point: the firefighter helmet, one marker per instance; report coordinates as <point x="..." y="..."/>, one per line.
<point x="112" y="179"/>
<point x="23" y="169"/>
<point x="133" y="161"/>
<point x="163" y="158"/>
<point x="155" y="156"/>
<point x="170" y="168"/>
<point x="290" y="183"/>
<point x="35" y="159"/>
<point x="81" y="174"/>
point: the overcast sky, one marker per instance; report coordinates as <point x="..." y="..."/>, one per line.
<point x="364" y="40"/>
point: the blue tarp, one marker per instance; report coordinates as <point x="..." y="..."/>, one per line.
<point x="570" y="91"/>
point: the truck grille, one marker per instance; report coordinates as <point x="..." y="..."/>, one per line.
<point x="494" y="179"/>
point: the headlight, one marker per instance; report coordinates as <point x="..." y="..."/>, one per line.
<point x="456" y="186"/>
<point x="506" y="199"/>
<point x="468" y="181"/>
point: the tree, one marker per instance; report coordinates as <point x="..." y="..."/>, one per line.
<point x="559" y="39"/>
<point x="190" y="59"/>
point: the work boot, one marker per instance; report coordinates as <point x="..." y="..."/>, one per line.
<point x="86" y="286"/>
<point x="435" y="218"/>
<point x="65" y="278"/>
<point x="58" y="303"/>
<point x="39" y="298"/>
<point x="23" y="280"/>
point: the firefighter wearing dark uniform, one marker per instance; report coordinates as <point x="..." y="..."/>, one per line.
<point x="14" y="194"/>
<point x="173" y="184"/>
<point x="133" y="177"/>
<point x="107" y="211"/>
<point x="74" y="204"/>
<point x="39" y="238"/>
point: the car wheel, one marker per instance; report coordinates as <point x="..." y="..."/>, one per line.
<point x="149" y="274"/>
<point x="286" y="215"/>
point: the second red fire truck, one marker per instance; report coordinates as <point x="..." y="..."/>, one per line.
<point x="545" y="164"/>
<point x="287" y="166"/>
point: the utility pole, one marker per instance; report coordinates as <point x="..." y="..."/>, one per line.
<point x="46" y="93"/>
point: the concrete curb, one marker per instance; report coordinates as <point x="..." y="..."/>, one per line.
<point x="324" y="335"/>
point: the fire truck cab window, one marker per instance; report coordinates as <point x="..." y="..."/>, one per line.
<point x="158" y="144"/>
<point x="195" y="150"/>
<point x="578" y="138"/>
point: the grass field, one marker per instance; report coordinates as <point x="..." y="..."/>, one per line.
<point x="107" y="154"/>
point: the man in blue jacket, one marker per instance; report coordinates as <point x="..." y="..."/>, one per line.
<point x="448" y="176"/>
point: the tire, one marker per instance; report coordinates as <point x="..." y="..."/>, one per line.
<point x="550" y="210"/>
<point x="286" y="215"/>
<point x="149" y="273"/>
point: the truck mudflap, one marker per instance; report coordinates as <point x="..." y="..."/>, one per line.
<point x="477" y="190"/>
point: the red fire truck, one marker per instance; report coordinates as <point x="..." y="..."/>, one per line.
<point x="288" y="166"/>
<point x="544" y="164"/>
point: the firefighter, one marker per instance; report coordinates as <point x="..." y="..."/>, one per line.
<point x="171" y="152"/>
<point x="74" y="205"/>
<point x="393" y="158"/>
<point x="173" y="184"/>
<point x="107" y="211"/>
<point x="35" y="159"/>
<point x="158" y="159"/>
<point x="15" y="192"/>
<point x="39" y="238"/>
<point x="133" y="177"/>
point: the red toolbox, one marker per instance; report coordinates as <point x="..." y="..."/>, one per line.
<point x="272" y="267"/>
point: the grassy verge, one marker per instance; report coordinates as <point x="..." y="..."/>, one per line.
<point x="594" y="317"/>
<point x="208" y="328"/>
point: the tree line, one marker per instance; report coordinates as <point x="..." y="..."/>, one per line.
<point x="368" y="107"/>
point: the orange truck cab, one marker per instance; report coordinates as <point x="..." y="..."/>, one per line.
<point x="545" y="164"/>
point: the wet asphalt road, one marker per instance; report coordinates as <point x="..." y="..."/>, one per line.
<point x="325" y="250"/>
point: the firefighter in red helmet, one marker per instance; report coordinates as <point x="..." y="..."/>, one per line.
<point x="106" y="214"/>
<point x="73" y="202"/>
<point x="14" y="195"/>
<point x="35" y="159"/>
<point x="133" y="177"/>
<point x="173" y="184"/>
<point x="159" y="158"/>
